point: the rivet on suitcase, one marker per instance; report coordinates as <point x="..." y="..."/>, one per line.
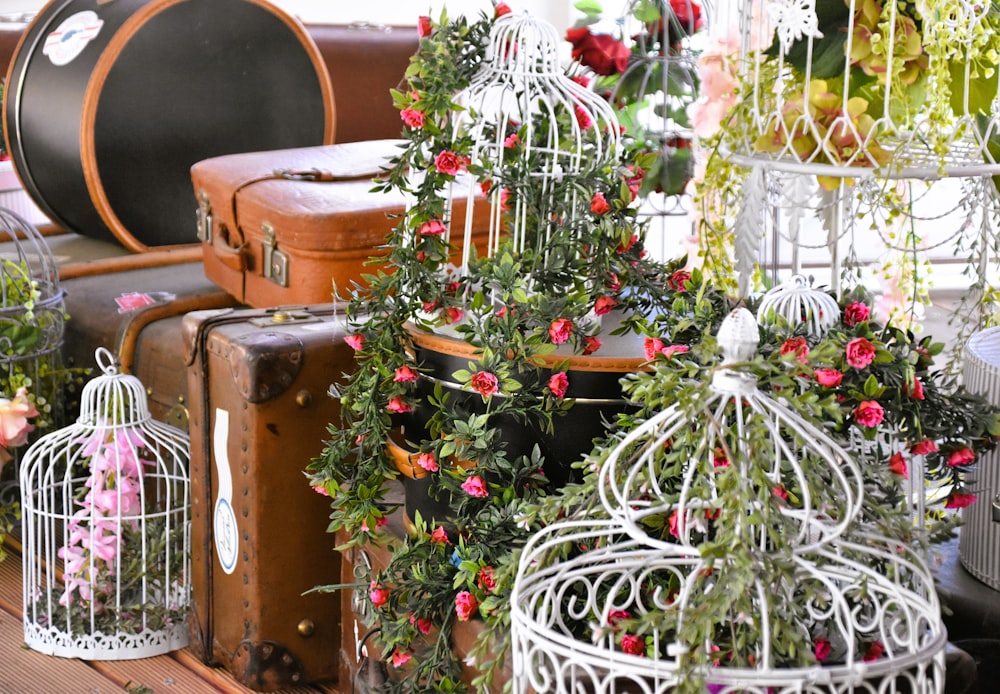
<point x="259" y="411"/>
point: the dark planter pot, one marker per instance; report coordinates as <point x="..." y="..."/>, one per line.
<point x="594" y="385"/>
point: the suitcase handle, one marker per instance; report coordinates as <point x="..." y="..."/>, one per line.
<point x="233" y="257"/>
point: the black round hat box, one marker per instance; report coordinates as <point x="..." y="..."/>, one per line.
<point x="108" y="104"/>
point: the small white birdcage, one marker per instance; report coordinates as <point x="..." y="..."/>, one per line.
<point x="106" y="525"/>
<point x="32" y="319"/>
<point x="796" y="301"/>
<point x="522" y="102"/>
<point x="726" y="555"/>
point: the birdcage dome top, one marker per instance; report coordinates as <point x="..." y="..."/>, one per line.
<point x="797" y="301"/>
<point x="32" y="307"/>
<point x="727" y="524"/>
<point x="112" y="399"/>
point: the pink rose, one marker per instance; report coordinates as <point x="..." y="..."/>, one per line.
<point x="961" y="456"/>
<point x="439" y="536"/>
<point x="512" y="141"/>
<point x="398" y="405"/>
<point x="453" y="314"/>
<point x="14" y="425"/>
<point x="484" y="383"/>
<point x="821" y="649"/>
<point x="558" y="383"/>
<point x="796" y="346"/>
<point x="869" y="413"/>
<point x="959" y="500"/>
<point x="591" y="343"/>
<point x="320" y="489"/>
<point x="604" y="305"/>
<point x="583" y="118"/>
<point x="598" y="205"/>
<point x="475" y="486"/>
<point x="427" y="462"/>
<point x="652" y="346"/>
<point x="501" y="9"/>
<point x="433" y="227"/>
<point x="377" y="594"/>
<point x="424" y="27"/>
<point x="675" y="524"/>
<point x="449" y="163"/>
<point x="465" y="605"/>
<point x="897" y="463"/>
<point x="405" y="374"/>
<point x="412" y="118"/>
<point x="828" y="378"/>
<point x="560" y="330"/>
<point x="924" y="447"/>
<point x="356" y="341"/>
<point x="860" y="352"/>
<point x="779" y="491"/>
<point x="855" y="313"/>
<point x="633" y="645"/>
<point x="399" y="659"/>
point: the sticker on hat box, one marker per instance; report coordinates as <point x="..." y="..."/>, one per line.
<point x="72" y="36"/>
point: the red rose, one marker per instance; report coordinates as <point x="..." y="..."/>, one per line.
<point x="583" y="117"/>
<point x="484" y="383"/>
<point x="780" y="492"/>
<point x="582" y="80"/>
<point x="591" y="343"/>
<point x="404" y="374"/>
<point x="424" y="26"/>
<point x="961" y="456"/>
<point x="422" y="624"/>
<point x="449" y="163"/>
<point x="487" y="580"/>
<point x="412" y="118"/>
<point x="874" y="652"/>
<point x="398" y="405"/>
<point x="869" y="413"/>
<point x="855" y="313"/>
<point x="356" y="341"/>
<point x="821" y="648"/>
<point x="378" y="595"/>
<point x="603" y="305"/>
<point x="688" y="14"/>
<point x="633" y="645"/>
<point x="924" y="447"/>
<point x="560" y="330"/>
<point x="916" y="391"/>
<point x="453" y="314"/>
<point x="439" y="536"/>
<point x="828" y="378"/>
<point x="465" y="605"/>
<point x="796" y="346"/>
<point x="897" y="463"/>
<point x="475" y="486"/>
<point x="558" y="383"/>
<point x="602" y="53"/>
<point x="598" y="205"/>
<point x="400" y="658"/>
<point x="959" y="500"/>
<point x="675" y="524"/>
<point x="501" y="9"/>
<point x="860" y="352"/>
<point x="678" y="280"/>
<point x="627" y="246"/>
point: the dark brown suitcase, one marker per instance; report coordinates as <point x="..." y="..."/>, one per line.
<point x="259" y="410"/>
<point x="282" y="227"/>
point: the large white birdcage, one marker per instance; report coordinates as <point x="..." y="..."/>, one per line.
<point x="726" y="555"/>
<point x="106" y="526"/>
<point x="536" y="137"/>
<point x="870" y="136"/>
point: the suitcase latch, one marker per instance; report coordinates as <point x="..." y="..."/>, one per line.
<point x="275" y="260"/>
<point x="204" y="218"/>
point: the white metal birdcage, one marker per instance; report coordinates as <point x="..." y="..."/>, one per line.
<point x="106" y="526"/>
<point x="562" y="131"/>
<point x="796" y="301"/>
<point x="871" y="131"/>
<point x="726" y="555"/>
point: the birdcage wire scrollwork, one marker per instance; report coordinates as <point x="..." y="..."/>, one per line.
<point x="106" y="529"/>
<point x="695" y="574"/>
<point x="565" y="133"/>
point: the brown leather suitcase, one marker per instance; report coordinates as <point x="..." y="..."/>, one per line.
<point x="259" y="411"/>
<point x="281" y="227"/>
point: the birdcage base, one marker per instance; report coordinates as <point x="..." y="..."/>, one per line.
<point x="98" y="646"/>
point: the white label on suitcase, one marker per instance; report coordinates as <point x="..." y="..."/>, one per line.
<point x="71" y="37"/>
<point x="225" y="535"/>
